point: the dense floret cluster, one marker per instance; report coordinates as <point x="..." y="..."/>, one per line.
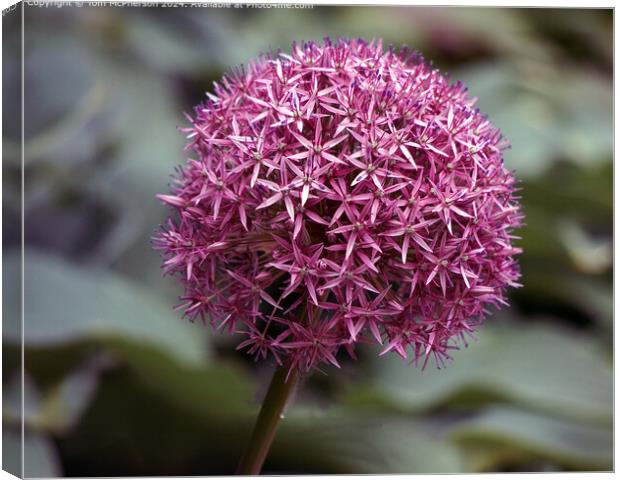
<point x="337" y="195"/>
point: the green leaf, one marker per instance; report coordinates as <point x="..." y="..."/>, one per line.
<point x="548" y="114"/>
<point x="203" y="416"/>
<point x="149" y="147"/>
<point x="546" y="369"/>
<point x="12" y="410"/>
<point x="571" y="444"/>
<point x="64" y="404"/>
<point x="40" y="456"/>
<point x="65" y="303"/>
<point x="595" y="297"/>
<point x="134" y="427"/>
<point x="212" y="392"/>
<point x="340" y="441"/>
<point x="334" y="441"/>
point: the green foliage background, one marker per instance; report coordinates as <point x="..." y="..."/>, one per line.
<point x="118" y="384"/>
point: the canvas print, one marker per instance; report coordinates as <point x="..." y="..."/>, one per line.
<point x="245" y="239"/>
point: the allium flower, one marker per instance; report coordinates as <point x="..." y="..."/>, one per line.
<point x="338" y="195"/>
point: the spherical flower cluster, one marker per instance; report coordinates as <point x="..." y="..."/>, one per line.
<point x="337" y="195"/>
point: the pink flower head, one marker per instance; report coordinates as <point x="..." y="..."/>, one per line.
<point x="338" y="195"/>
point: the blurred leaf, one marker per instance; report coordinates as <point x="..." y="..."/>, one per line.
<point x="565" y="292"/>
<point x="500" y="31"/>
<point x="151" y="407"/>
<point x="594" y="296"/>
<point x="197" y="425"/>
<point x="548" y="113"/>
<point x="547" y="369"/>
<point x="166" y="46"/>
<point x="11" y="450"/>
<point x="64" y="110"/>
<point x="149" y="147"/>
<point x="572" y="444"/>
<point x="65" y="303"/>
<point x="75" y="138"/>
<point x="505" y="29"/>
<point x="53" y="411"/>
<point x="332" y="441"/>
<point x="588" y="190"/>
<point x="535" y="239"/>
<point x="40" y="456"/>
<point x="12" y="401"/>
<point x="63" y="406"/>
<point x="568" y="227"/>
<point x="210" y="416"/>
<point x="585" y="34"/>
<point x="338" y="441"/>
<point x="210" y="391"/>
<point x="58" y="75"/>
<point x="130" y="429"/>
<point x="590" y="255"/>
<point x="393" y="25"/>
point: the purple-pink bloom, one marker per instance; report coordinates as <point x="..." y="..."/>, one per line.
<point x="337" y="195"/>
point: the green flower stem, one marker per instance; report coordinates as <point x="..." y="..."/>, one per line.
<point x="279" y="393"/>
